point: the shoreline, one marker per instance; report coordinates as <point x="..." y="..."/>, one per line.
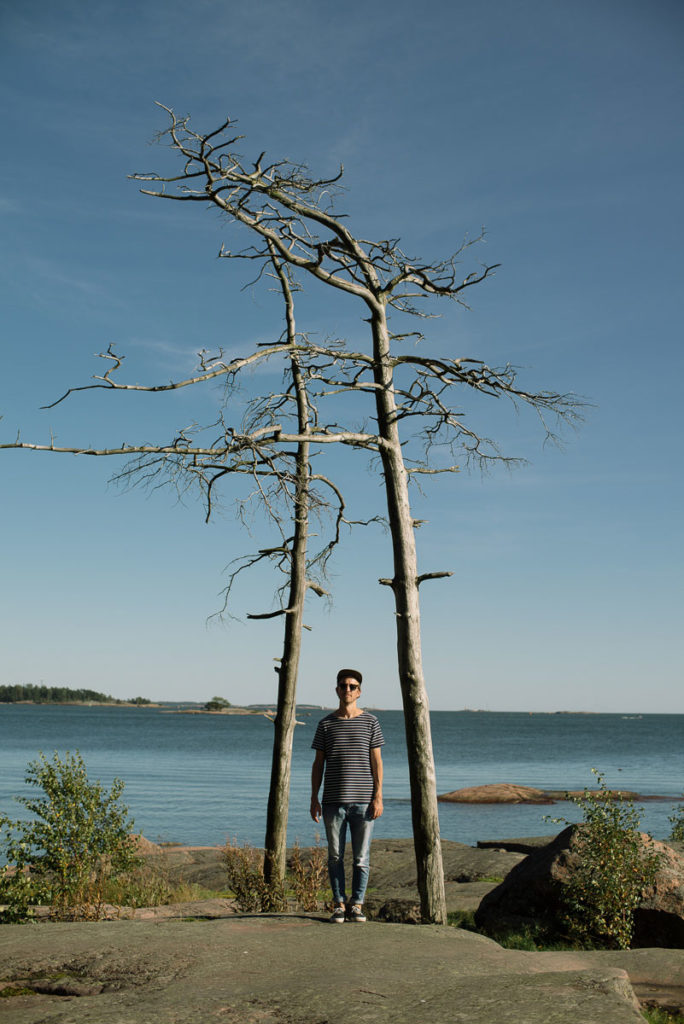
<point x="261" y="708"/>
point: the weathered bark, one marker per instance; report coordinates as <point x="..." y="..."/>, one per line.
<point x="405" y="583"/>
<point x="275" y="844"/>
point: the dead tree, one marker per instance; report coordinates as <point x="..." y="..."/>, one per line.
<point x="288" y="491"/>
<point x="288" y="216"/>
<point x="287" y="212"/>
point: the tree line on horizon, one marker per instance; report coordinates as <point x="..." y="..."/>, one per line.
<point x="15" y="692"/>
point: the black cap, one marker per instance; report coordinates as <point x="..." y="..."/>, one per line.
<point x="350" y="673"/>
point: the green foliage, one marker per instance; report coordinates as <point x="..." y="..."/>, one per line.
<point x="19" y="893"/>
<point x="145" y="885"/>
<point x="218" y="704"/>
<point x="76" y="841"/>
<point x="151" y="883"/>
<point x="656" y="1015"/>
<point x="532" y="938"/>
<point x="615" y="866"/>
<point x="10" y="991"/>
<point x="677" y="822"/>
<point x="462" y="919"/>
<point x="10" y="694"/>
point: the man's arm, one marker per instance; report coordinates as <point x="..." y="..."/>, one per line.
<point x="316" y="779"/>
<point x="375" y="806"/>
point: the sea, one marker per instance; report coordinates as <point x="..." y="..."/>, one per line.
<point x="202" y="779"/>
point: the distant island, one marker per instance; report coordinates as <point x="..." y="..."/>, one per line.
<point x="221" y="706"/>
<point x="30" y="694"/>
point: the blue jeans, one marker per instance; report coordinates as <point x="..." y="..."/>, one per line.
<point x="336" y="817"/>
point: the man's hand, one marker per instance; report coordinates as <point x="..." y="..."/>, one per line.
<point x="375" y="808"/>
<point x="316" y="809"/>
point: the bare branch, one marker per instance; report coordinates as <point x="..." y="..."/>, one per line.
<point x="218" y="370"/>
<point x="271" y="615"/>
<point x="433" y="576"/>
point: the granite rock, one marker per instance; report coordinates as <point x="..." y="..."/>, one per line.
<point x="532" y="893"/>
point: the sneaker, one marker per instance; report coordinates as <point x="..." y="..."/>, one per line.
<point x="339" y="914"/>
<point x="356" y="913"/>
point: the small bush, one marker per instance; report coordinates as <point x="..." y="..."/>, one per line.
<point x="308" y="877"/>
<point x="19" y="894"/>
<point x="677" y="822"/>
<point x="246" y="879"/>
<point x="305" y="881"/>
<point x="614" y="869"/>
<point x="145" y="885"/>
<point x="77" y="840"/>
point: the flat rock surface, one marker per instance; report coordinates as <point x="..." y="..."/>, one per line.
<point x="303" y="970"/>
<point x="512" y="793"/>
<point x="393" y="865"/>
<point x="393" y="869"/>
<point x="201" y="961"/>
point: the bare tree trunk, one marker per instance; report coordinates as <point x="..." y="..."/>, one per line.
<point x="275" y="844"/>
<point x="279" y="793"/>
<point x="405" y="585"/>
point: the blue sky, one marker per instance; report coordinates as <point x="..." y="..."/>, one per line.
<point x="555" y="126"/>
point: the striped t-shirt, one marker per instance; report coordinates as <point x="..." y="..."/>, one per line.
<point x="347" y="743"/>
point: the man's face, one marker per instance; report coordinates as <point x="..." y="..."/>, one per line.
<point x="348" y="690"/>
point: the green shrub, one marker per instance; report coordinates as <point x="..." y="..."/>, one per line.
<point x="19" y="894"/>
<point x="677" y="822"/>
<point x="77" y="840"/>
<point x="615" y="867"/>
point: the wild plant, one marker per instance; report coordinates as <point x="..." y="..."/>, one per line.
<point x="246" y="879"/>
<point x="145" y="885"/>
<point x="77" y="840"/>
<point x="616" y="865"/>
<point x="308" y="876"/>
<point x="677" y="822"/>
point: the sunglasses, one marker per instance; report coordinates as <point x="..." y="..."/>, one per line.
<point x="347" y="686"/>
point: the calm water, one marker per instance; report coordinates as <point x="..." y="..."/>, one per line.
<point x="203" y="778"/>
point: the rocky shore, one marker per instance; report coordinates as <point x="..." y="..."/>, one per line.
<point x="512" y="793"/>
<point x="203" y="961"/>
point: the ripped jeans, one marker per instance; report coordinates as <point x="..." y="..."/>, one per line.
<point x="336" y="818"/>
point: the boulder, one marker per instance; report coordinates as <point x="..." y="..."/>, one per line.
<point x="532" y="894"/>
<point x="144" y="847"/>
<point x="497" y="793"/>
<point x="659" y="919"/>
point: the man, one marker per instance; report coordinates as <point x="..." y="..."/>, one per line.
<point x="347" y="745"/>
